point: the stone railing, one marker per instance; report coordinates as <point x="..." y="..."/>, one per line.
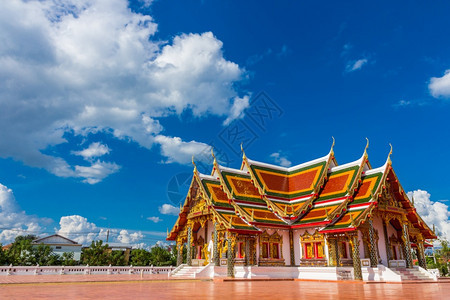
<point x="82" y="270"/>
<point x="434" y="272"/>
<point x="175" y="270"/>
<point x="397" y="263"/>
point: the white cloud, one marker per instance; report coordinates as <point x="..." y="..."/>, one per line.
<point x="162" y="244"/>
<point x="440" y="86"/>
<point x="94" y="150"/>
<point x="14" y="221"/>
<point x="154" y="219"/>
<point x="178" y="151"/>
<point x="436" y="213"/>
<point x="96" y="172"/>
<point x="127" y="238"/>
<point x="402" y="103"/>
<point x="237" y="110"/>
<point x="79" y="229"/>
<point x="281" y="160"/>
<point x="168" y="209"/>
<point x="88" y="66"/>
<point x="356" y="65"/>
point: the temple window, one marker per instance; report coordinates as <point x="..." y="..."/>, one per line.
<point x="313" y="246"/>
<point x="241" y="250"/>
<point x="344" y="250"/>
<point x="199" y="252"/>
<point x="275" y="251"/>
<point x="319" y="250"/>
<point x="265" y="250"/>
<point x="394" y="251"/>
<point x="271" y="246"/>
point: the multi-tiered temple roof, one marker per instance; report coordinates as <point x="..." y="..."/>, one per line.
<point x="319" y="193"/>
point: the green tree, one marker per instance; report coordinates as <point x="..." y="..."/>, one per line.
<point x="43" y="255"/>
<point x="442" y="258"/>
<point x="140" y="257"/>
<point x="96" y="255"/>
<point x="160" y="256"/>
<point x="20" y="252"/>
<point x="116" y="258"/>
<point x="3" y="256"/>
<point x="67" y="259"/>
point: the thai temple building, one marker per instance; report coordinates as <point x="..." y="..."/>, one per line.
<point x="316" y="220"/>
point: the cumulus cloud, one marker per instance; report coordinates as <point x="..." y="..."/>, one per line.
<point x="94" y="65"/>
<point x="154" y="219"/>
<point x="13" y="220"/>
<point x="97" y="171"/>
<point x="436" y="213"/>
<point x="237" y="110"/>
<point x="175" y="150"/>
<point x="168" y="209"/>
<point x="440" y="86"/>
<point x="127" y="238"/>
<point x="281" y="160"/>
<point x="79" y="229"/>
<point x="94" y="150"/>
<point x="356" y="65"/>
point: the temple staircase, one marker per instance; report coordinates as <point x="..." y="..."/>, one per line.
<point x="187" y="272"/>
<point x="414" y="274"/>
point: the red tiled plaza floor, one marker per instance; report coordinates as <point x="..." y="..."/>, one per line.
<point x="171" y="289"/>
<point x="77" y="278"/>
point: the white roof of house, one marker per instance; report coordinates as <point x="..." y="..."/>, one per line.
<point x="55" y="239"/>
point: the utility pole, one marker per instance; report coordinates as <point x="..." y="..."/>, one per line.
<point x="107" y="236"/>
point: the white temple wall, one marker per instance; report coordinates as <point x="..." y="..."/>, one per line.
<point x="286" y="246"/>
<point x="361" y="245"/>
<point x="297" y="248"/>
<point x="325" y="249"/>
<point x="297" y="243"/>
<point x="257" y="249"/>
<point x="378" y="225"/>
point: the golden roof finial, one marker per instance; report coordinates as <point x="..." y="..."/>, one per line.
<point x="412" y="200"/>
<point x="326" y="211"/>
<point x="243" y="152"/>
<point x="434" y="229"/>
<point x="193" y="162"/>
<point x="167" y="231"/>
<point x="332" y="145"/>
<point x="351" y="220"/>
<point x="253" y="214"/>
<point x="231" y="220"/>
<point x="388" y="160"/>
<point x="285" y="209"/>
<point x="367" y="145"/>
<point x="214" y="157"/>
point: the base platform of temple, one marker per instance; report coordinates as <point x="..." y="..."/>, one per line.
<point x="375" y="274"/>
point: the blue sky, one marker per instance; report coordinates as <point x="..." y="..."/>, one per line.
<point x="104" y="102"/>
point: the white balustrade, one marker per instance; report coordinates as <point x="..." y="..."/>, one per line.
<point x="86" y="270"/>
<point x="399" y="263"/>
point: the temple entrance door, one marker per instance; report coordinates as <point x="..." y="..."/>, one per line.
<point x="252" y="255"/>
